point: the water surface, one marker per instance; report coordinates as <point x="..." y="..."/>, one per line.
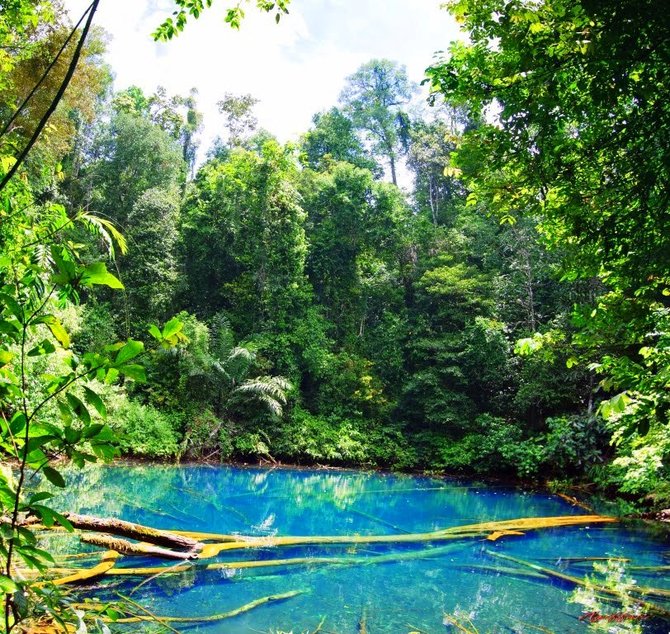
<point x="395" y="597"/>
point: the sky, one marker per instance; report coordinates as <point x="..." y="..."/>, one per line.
<point x="295" y="69"/>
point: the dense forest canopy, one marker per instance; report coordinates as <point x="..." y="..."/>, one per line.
<point x="509" y="317"/>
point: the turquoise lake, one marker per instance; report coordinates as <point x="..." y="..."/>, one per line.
<point x="408" y="595"/>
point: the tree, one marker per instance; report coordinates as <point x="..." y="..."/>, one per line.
<point x="333" y="138"/>
<point x="435" y="188"/>
<point x="240" y="119"/>
<point x="132" y="155"/>
<point x="581" y="142"/>
<point x="50" y="404"/>
<point x="176" y="115"/>
<point x="150" y="268"/>
<point x="373" y="99"/>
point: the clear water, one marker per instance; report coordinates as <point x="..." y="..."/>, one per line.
<point x="395" y="597"/>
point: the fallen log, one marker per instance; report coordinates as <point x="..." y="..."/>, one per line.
<point x="131" y="530"/>
<point x="653" y="608"/>
<point x="107" y="562"/>
<point x="141" y="549"/>
<point x="503" y="527"/>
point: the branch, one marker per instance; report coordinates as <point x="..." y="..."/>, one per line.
<point x="59" y="95"/>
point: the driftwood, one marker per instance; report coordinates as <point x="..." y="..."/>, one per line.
<point x="209" y="619"/>
<point x="129" y="548"/>
<point x="131" y="530"/>
<point x="107" y="562"/>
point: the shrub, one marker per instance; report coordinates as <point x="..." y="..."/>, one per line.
<point x="142" y="430"/>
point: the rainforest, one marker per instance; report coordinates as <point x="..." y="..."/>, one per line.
<point x="430" y="333"/>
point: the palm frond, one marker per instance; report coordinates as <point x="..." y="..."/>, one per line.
<point x="105" y="230"/>
<point x="269" y="390"/>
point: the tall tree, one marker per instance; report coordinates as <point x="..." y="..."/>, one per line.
<point x="240" y="119"/>
<point x="373" y="97"/>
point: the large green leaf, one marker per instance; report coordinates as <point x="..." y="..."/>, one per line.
<point x="97" y="273"/>
<point x="129" y="351"/>
<point x="54" y="477"/>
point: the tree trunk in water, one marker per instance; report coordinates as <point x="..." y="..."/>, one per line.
<point x="133" y="531"/>
<point x="128" y="548"/>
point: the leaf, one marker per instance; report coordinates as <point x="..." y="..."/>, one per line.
<point x="56" y="328"/>
<point x="96" y="401"/>
<point x="172" y="327"/>
<point x="93" y="430"/>
<point x="54" y="477"/>
<point x="12" y="305"/>
<point x="9" y="328"/>
<point x="39" y="441"/>
<point x="44" y="347"/>
<point x="78" y="408"/>
<point x="39" y="497"/>
<point x="18" y="423"/>
<point x="129" y="351"/>
<point x="97" y="273"/>
<point x="59" y="333"/>
<point x="5" y="357"/>
<point x="134" y="371"/>
<point x="7" y="585"/>
<point x="643" y="427"/>
<point x="155" y="332"/>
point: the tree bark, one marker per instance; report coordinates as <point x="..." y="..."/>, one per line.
<point x="133" y="531"/>
<point x="128" y="548"/>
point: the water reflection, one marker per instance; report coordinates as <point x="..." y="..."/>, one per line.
<point x="391" y="597"/>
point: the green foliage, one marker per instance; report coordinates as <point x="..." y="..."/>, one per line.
<point x="580" y="146"/>
<point x="373" y="98"/>
<point x="137" y="155"/>
<point x="142" y="430"/>
<point x="612" y="575"/>
<point x="150" y="269"/>
<point x="333" y="138"/>
<point x="172" y="26"/>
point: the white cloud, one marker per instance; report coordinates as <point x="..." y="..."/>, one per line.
<point x="296" y="68"/>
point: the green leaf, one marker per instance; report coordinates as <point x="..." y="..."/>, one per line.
<point x="54" y="477"/>
<point x="111" y="376"/>
<point x="129" y="351"/>
<point x="134" y="371"/>
<point x="7" y="585"/>
<point x="78" y="408"/>
<point x="155" y="332"/>
<point x="12" y="306"/>
<point x="56" y="328"/>
<point x="97" y="273"/>
<point x="39" y="441"/>
<point x="18" y="423"/>
<point x="10" y="328"/>
<point x="96" y="401"/>
<point x="172" y="327"/>
<point x="39" y="497"/>
<point x="5" y="357"/>
<point x="44" y="347"/>
<point x="49" y="517"/>
<point x="59" y="333"/>
<point x="93" y="430"/>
